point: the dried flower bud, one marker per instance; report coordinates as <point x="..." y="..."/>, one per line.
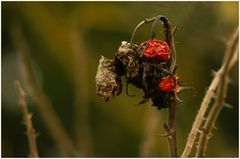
<point x="107" y="82"/>
<point x="157" y="49"/>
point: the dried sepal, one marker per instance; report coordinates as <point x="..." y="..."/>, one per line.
<point x="108" y="83"/>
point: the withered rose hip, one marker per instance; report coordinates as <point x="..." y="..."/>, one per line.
<point x="157" y="49"/>
<point x="166" y="84"/>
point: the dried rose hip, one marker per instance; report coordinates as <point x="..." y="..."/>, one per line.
<point x="157" y="49"/>
<point x="166" y="84"/>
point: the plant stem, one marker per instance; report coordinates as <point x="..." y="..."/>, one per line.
<point x="139" y="25"/>
<point x="220" y="96"/>
<point x="171" y="130"/>
<point x="203" y="108"/>
<point x="171" y="127"/>
<point x="44" y="106"/>
<point x="27" y="117"/>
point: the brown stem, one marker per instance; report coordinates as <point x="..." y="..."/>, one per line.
<point x="171" y="130"/>
<point x="171" y="127"/>
<point x="220" y="95"/>
<point x="203" y="108"/>
<point x="139" y="25"/>
<point x="27" y="117"/>
<point x="44" y="106"/>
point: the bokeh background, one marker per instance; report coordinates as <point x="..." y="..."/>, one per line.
<point x="66" y="40"/>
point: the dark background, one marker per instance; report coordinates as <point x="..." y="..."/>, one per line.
<point x="116" y="127"/>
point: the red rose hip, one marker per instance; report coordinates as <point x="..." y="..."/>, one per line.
<point x="157" y="49"/>
<point x="166" y="84"/>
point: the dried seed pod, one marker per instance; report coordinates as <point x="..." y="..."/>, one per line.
<point x="108" y="83"/>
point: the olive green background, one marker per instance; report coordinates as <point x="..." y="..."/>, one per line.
<point x="66" y="40"/>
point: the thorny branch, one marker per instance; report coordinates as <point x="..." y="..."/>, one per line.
<point x="171" y="127"/>
<point x="27" y="117"/>
<point x="44" y="106"/>
<point x="171" y="130"/>
<point x="220" y="74"/>
<point x="229" y="60"/>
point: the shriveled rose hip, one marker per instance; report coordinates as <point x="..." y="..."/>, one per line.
<point x="166" y="84"/>
<point x="157" y="49"/>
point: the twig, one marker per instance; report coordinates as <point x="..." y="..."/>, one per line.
<point x="27" y="117"/>
<point x="203" y="108"/>
<point x="171" y="129"/>
<point x="139" y="25"/>
<point x="230" y="58"/>
<point x="43" y="104"/>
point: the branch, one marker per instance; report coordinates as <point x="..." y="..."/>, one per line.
<point x="203" y="108"/>
<point x="27" y="118"/>
<point x="43" y="104"/>
<point x="229" y="60"/>
<point x="171" y="129"/>
<point x="139" y="25"/>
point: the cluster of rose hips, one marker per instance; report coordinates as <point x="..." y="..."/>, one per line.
<point x="147" y="66"/>
<point x="159" y="51"/>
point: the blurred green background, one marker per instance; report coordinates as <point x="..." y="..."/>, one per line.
<point x="66" y="40"/>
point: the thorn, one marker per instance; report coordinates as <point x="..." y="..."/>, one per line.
<point x="224" y="40"/>
<point x="228" y="105"/>
<point x="186" y="89"/>
<point x="214" y="127"/>
<point x="229" y="80"/>
<point x="164" y="135"/>
<point x="214" y="96"/>
<point x="199" y="131"/>
<point x="178" y="99"/>
<point x="213" y="73"/>
<point x="203" y="118"/>
<point x="174" y="30"/>
<point x="211" y="134"/>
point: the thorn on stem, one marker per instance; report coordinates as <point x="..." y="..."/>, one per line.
<point x="226" y="105"/>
